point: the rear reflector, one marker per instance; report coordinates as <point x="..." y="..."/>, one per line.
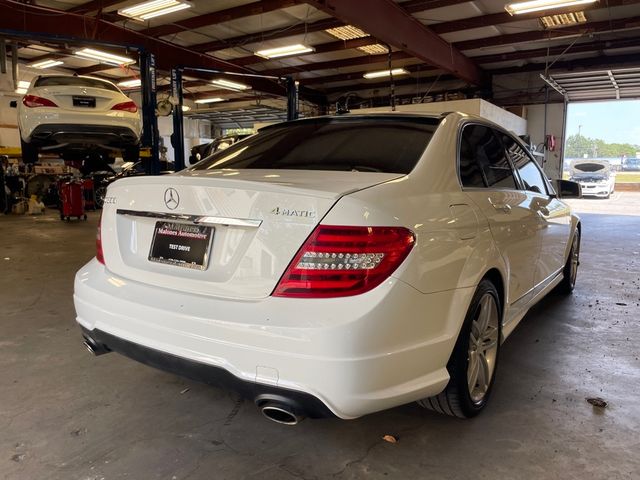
<point x="126" y="107"/>
<point x="339" y="261"/>
<point x="33" y="101"/>
<point x="99" y="252"/>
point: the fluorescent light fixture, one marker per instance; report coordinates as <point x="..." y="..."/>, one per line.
<point x="104" y="57"/>
<point x="346" y="32"/>
<point x="386" y="73"/>
<point x="130" y="83"/>
<point x="284" y="51"/>
<point x="154" y="8"/>
<point x="540" y="5"/>
<point x="46" y="63"/>
<point x="563" y="19"/>
<point x="229" y="85"/>
<point x="375" y="49"/>
<point x="22" y="87"/>
<point x="186" y="108"/>
<point x="210" y="100"/>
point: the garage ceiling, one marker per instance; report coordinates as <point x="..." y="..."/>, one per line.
<point x="444" y="45"/>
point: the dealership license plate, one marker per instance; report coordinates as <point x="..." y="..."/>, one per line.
<point x="181" y="244"/>
<point x="89" y="102"/>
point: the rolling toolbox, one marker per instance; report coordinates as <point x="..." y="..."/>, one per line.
<point x="72" y="200"/>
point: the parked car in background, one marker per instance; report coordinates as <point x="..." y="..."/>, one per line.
<point x="77" y="115"/>
<point x="334" y="265"/>
<point x="204" y="150"/>
<point x="596" y="177"/>
<point x="631" y="165"/>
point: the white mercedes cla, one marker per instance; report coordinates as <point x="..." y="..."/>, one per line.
<point x="73" y="115"/>
<point x="333" y="265"/>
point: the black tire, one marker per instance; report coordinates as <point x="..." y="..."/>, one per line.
<point x="131" y="154"/>
<point x="84" y="217"/>
<point x="568" y="282"/>
<point x="456" y="399"/>
<point x="29" y="152"/>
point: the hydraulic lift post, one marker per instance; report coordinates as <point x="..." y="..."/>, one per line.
<point x="150" y="133"/>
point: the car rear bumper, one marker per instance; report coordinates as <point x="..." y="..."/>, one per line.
<point x="355" y="355"/>
<point x="71" y="134"/>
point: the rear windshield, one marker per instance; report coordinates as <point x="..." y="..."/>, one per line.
<point x="75" y="82"/>
<point x="366" y="144"/>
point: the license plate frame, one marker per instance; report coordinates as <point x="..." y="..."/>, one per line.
<point x="84" y="102"/>
<point x="182" y="245"/>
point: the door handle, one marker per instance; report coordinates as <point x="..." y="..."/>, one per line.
<point x="502" y="207"/>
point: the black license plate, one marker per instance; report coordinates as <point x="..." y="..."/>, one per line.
<point x="89" y="102"/>
<point x="181" y="244"/>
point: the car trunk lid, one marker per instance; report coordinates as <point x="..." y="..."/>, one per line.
<point x="258" y="219"/>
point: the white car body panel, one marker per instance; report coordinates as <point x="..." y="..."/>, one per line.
<point x="66" y="114"/>
<point x="357" y="354"/>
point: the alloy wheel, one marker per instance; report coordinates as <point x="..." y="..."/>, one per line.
<point x="483" y="348"/>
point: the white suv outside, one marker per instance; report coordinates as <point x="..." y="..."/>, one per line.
<point x="75" y="115"/>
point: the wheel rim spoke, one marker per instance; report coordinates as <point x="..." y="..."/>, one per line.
<point x="483" y="347"/>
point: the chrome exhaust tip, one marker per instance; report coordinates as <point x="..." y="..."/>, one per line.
<point x="281" y="413"/>
<point x="93" y="348"/>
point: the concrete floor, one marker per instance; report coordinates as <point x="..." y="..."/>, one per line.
<point x="67" y="415"/>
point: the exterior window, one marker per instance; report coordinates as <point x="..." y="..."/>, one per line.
<point x="526" y="166"/>
<point x="483" y="160"/>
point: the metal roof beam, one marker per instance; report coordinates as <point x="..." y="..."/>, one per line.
<point x="234" y="13"/>
<point x="387" y="21"/>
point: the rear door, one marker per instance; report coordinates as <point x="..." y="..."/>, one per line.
<point x="553" y="215"/>
<point x="488" y="179"/>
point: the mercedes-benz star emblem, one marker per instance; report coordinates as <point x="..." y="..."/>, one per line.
<point x="171" y="198"/>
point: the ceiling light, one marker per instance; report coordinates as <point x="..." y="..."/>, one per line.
<point x="210" y="100"/>
<point x="46" y="63"/>
<point x="539" y="5"/>
<point x="375" y="49"/>
<point x="186" y="108"/>
<point x="130" y="83"/>
<point x="154" y="8"/>
<point x="386" y="73"/>
<point x="563" y="19"/>
<point x="229" y="85"/>
<point x="104" y="57"/>
<point x="347" y="32"/>
<point x="284" y="51"/>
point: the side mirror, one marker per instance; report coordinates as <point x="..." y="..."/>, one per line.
<point x="13" y="104"/>
<point x="568" y="189"/>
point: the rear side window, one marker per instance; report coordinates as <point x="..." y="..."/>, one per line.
<point x="527" y="169"/>
<point x="365" y="144"/>
<point x="68" y="81"/>
<point x="483" y="160"/>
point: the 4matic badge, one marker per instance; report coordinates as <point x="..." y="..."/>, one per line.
<point x="290" y="212"/>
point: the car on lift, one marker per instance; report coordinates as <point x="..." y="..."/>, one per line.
<point x="334" y="265"/>
<point x="596" y="177"/>
<point x="77" y="117"/>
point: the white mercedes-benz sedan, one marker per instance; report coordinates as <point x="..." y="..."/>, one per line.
<point x="334" y="265"/>
<point x="72" y="115"/>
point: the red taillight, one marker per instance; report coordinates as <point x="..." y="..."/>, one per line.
<point x="129" y="106"/>
<point x="338" y="261"/>
<point x="32" y="101"/>
<point x="99" y="253"/>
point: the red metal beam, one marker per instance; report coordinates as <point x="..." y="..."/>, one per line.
<point x="388" y="22"/>
<point x="93" y="6"/>
<point x="275" y="34"/>
<point x="322" y="48"/>
<point x="38" y="20"/>
<point x="234" y="13"/>
<point x="347" y="62"/>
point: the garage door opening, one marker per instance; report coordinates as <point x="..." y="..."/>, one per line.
<point x="602" y="153"/>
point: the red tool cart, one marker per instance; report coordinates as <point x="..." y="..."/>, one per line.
<point x="72" y="200"/>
